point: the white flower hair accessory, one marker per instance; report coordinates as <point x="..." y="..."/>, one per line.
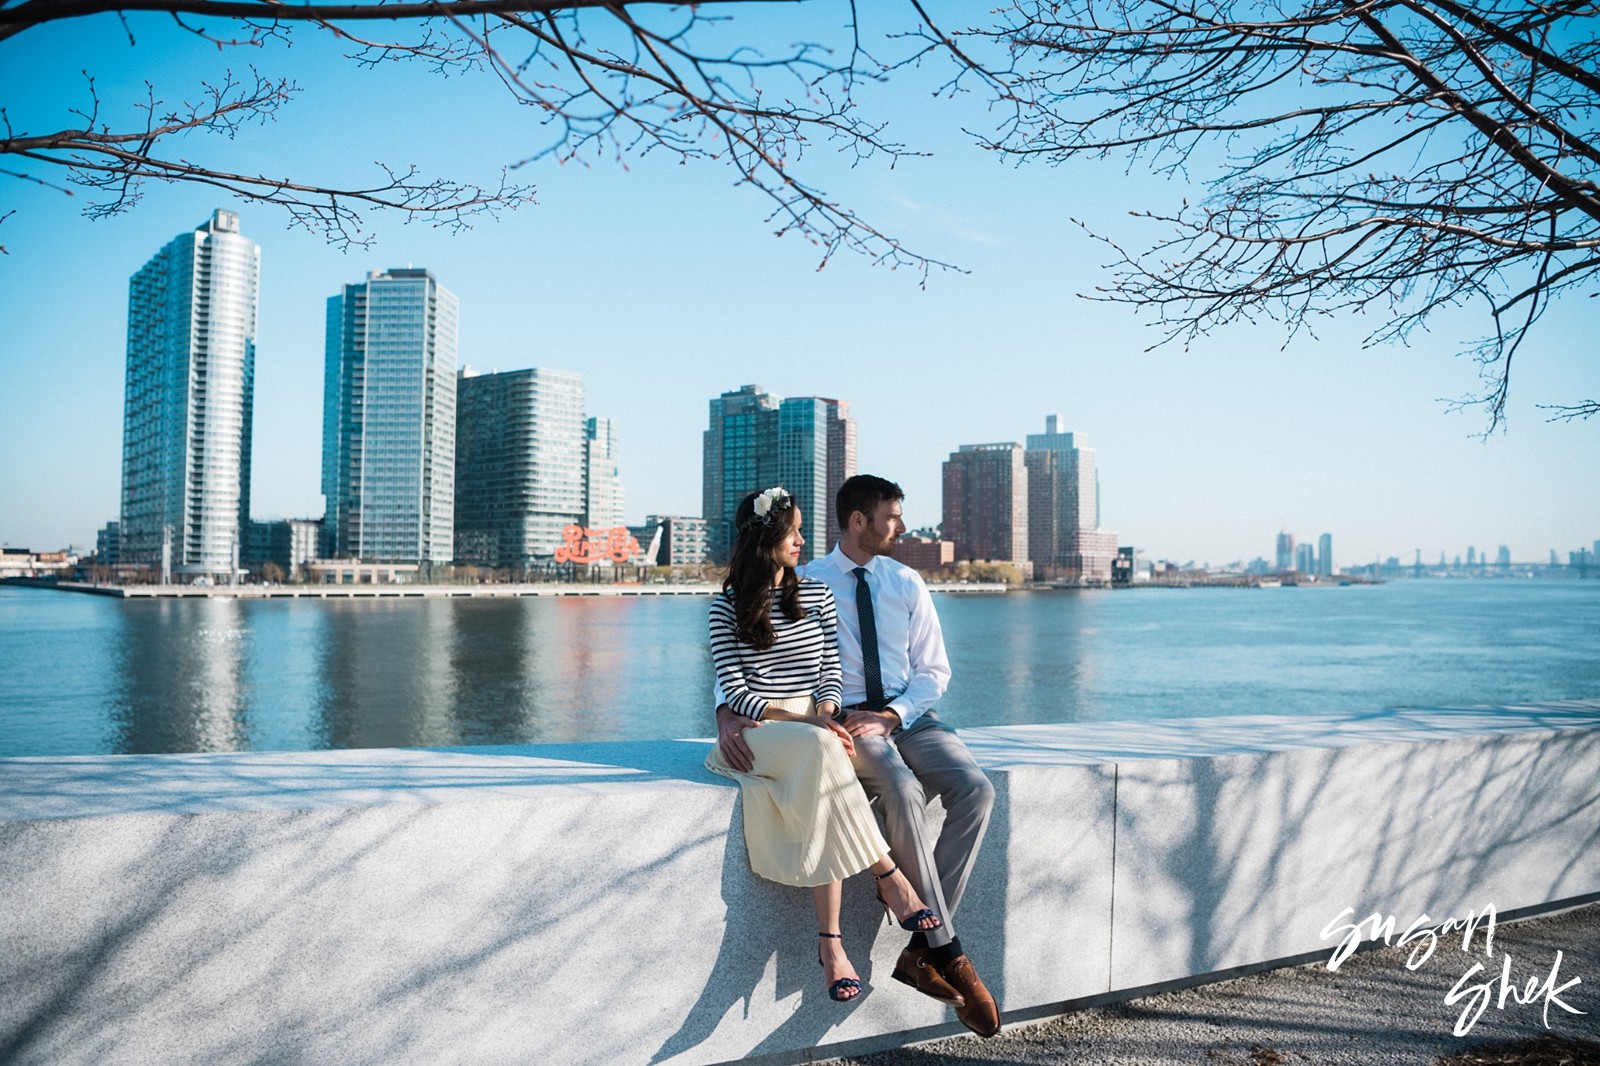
<point x="766" y="504"/>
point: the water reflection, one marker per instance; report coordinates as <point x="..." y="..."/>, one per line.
<point x="514" y="671"/>
<point x="599" y="661"/>
<point x="1023" y="658"/>
<point x="496" y="680"/>
<point x="181" y="677"/>
<point x="387" y="680"/>
<point x="284" y="682"/>
<point x="81" y="675"/>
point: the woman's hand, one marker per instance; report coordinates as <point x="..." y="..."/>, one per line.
<point x="730" y="738"/>
<point x="842" y="733"/>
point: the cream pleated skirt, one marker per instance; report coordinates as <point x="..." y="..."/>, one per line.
<point x="806" y="819"/>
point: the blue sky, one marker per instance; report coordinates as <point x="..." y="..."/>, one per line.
<point x="663" y="286"/>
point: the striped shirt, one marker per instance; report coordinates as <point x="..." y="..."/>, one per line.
<point x="803" y="660"/>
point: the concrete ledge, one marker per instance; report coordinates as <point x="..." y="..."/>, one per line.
<point x="589" y="904"/>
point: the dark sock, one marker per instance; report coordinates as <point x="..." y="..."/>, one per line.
<point x="945" y="954"/>
<point x="919" y="941"/>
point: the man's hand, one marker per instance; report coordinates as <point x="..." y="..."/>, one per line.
<point x="871" y="723"/>
<point x="730" y="738"/>
<point x="839" y="731"/>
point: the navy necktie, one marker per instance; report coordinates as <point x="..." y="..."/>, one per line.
<point x="869" y="641"/>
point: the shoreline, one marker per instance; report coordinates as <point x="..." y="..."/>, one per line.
<point x="406" y="591"/>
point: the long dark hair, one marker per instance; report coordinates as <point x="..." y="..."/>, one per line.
<point x="750" y="566"/>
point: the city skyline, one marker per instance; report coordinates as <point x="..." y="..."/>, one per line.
<point x="608" y="433"/>
<point x="1533" y="555"/>
<point x="1205" y="451"/>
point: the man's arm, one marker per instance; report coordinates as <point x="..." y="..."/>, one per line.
<point x="930" y="666"/>
<point x="929" y="671"/>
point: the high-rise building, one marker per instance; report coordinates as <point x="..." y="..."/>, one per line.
<point x="739" y="455"/>
<point x="986" y="502"/>
<point x="389" y="419"/>
<point x="1503" y="557"/>
<point x="290" y="544"/>
<point x="924" y="553"/>
<point x="1325" y="555"/>
<point x="1305" y="559"/>
<point x="188" y="401"/>
<point x="108" y="544"/>
<point x="1285" y="556"/>
<point x="1064" y="534"/>
<point x="755" y="440"/>
<point x="521" y="448"/>
<point x="678" y="540"/>
<point x="841" y="464"/>
<point x="602" y="481"/>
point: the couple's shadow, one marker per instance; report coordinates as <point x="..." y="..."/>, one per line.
<point x="772" y="925"/>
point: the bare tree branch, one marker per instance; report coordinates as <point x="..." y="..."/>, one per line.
<point x="1569" y="413"/>
<point x="599" y="78"/>
<point x="1391" y="157"/>
<point x="1395" y="157"/>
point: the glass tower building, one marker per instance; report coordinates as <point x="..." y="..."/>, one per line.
<point x="188" y="399"/>
<point x="521" y="447"/>
<point x="1064" y="535"/>
<point x="389" y="419"/>
<point x="602" y="480"/>
<point x="756" y="440"/>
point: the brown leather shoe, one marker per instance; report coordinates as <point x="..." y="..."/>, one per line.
<point x="916" y="968"/>
<point x="979" y="1013"/>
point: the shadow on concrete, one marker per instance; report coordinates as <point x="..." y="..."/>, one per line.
<point x="766" y="934"/>
<point x="384" y="934"/>
<point x="1225" y="851"/>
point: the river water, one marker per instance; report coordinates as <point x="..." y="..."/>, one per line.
<point x="82" y="675"/>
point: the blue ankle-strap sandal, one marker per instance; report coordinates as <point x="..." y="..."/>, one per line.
<point x="911" y="923"/>
<point x="845" y="988"/>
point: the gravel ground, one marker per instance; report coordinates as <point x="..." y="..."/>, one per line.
<point x="1374" y="1010"/>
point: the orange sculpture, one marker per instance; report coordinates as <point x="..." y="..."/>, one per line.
<point x="584" y="545"/>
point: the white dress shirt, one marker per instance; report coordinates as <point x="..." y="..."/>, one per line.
<point x="911" y="656"/>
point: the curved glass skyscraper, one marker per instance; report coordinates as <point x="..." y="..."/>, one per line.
<point x="187" y="405"/>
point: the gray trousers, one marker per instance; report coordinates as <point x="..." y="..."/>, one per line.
<point x="901" y="774"/>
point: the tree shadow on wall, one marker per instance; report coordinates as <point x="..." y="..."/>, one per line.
<point x="771" y="925"/>
<point x="1256" y="866"/>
